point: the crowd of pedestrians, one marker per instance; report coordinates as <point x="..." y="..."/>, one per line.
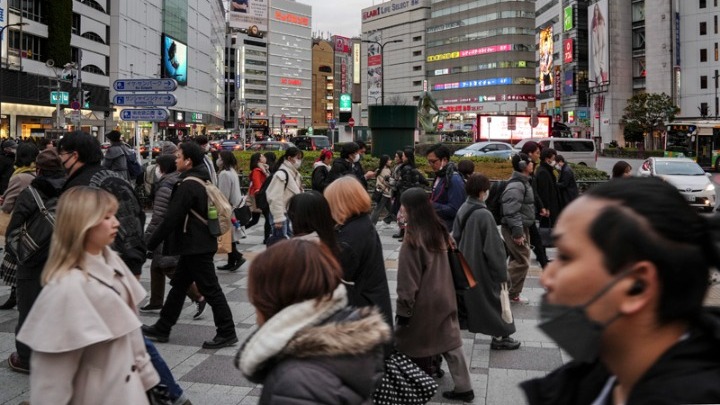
<point x="327" y="332"/>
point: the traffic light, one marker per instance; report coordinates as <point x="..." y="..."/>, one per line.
<point x="86" y="98"/>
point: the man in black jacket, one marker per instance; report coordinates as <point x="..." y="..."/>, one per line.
<point x="81" y="155"/>
<point x="186" y="235"/>
<point x="546" y="187"/>
<point x="344" y="165"/>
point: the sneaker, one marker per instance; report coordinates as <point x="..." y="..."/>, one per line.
<point x="153" y="334"/>
<point x="151" y="308"/>
<point x="504" y="343"/>
<point x="200" y="308"/>
<point x="220" y="342"/>
<point x="520" y="300"/>
<point x="466" y="396"/>
<point x="17" y="365"/>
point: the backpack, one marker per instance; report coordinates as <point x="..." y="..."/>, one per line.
<point x="261" y="196"/>
<point x="218" y="200"/>
<point x="494" y="200"/>
<point x="134" y="169"/>
<point x="35" y="234"/>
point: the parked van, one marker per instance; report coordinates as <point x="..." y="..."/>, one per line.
<point x="574" y="150"/>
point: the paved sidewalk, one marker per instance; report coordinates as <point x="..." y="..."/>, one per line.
<point x="209" y="377"/>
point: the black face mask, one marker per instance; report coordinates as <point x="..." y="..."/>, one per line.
<point x="68" y="170"/>
<point x="572" y="329"/>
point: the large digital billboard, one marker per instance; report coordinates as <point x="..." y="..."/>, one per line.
<point x="546" y="47"/>
<point x="174" y="59"/>
<point x="245" y="14"/>
<point x="599" y="55"/>
<point x="495" y="127"/>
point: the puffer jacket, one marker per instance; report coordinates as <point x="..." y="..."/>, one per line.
<point x="518" y="204"/>
<point x="317" y="352"/>
<point x="163" y="191"/>
<point x="279" y="194"/>
<point x="115" y="159"/>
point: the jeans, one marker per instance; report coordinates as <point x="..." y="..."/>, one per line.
<point x="166" y="377"/>
<point x="286" y="228"/>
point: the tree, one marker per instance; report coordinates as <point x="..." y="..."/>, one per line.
<point x="633" y="132"/>
<point x="648" y="112"/>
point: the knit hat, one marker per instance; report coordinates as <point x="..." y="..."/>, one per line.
<point x="48" y="161"/>
<point x="168" y="148"/>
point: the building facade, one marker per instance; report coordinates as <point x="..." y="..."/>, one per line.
<point x="323" y="83"/>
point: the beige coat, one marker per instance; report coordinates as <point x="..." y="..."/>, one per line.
<point x="86" y="339"/>
<point x="278" y="195"/>
<point x="426" y="294"/>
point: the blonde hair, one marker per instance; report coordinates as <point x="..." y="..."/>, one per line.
<point x="78" y="210"/>
<point x="347" y="198"/>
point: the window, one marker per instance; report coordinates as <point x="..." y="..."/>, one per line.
<point x="703" y="55"/>
<point x="417" y="68"/>
<point x="702" y="4"/>
<point x="703" y="28"/>
<point x="715" y="24"/>
<point x="716" y="51"/>
<point x="29" y="46"/>
<point x="76" y="24"/>
<point x="417" y="83"/>
<point x="703" y="82"/>
<point x="417" y="38"/>
<point x="417" y="53"/>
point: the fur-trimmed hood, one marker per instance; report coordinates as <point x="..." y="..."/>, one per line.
<point x="313" y="329"/>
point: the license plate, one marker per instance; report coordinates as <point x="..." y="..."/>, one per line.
<point x="690" y="198"/>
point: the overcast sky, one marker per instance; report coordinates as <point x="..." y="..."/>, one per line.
<point x="339" y="17"/>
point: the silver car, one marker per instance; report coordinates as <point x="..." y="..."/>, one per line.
<point x="495" y="149"/>
<point x="686" y="175"/>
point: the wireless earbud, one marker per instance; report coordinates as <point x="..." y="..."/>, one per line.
<point x="637" y="288"/>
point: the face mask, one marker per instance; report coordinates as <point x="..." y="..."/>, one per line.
<point x="297" y="163"/>
<point x="219" y="162"/>
<point x="571" y="328"/>
<point x="356" y="158"/>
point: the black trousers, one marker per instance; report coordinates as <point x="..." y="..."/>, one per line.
<point x="27" y="292"/>
<point x="538" y="248"/>
<point x="201" y="270"/>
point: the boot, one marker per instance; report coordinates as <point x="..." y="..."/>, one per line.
<point x="230" y="262"/>
<point x="238" y="260"/>
<point x="400" y="234"/>
<point x="11" y="301"/>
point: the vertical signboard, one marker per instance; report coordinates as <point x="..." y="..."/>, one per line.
<point x="599" y="55"/>
<point x="569" y="83"/>
<point x="374" y="69"/>
<point x="545" y="47"/>
<point x="568" y="50"/>
<point x="677" y="40"/>
<point x="356" y="63"/>
<point x="557" y="83"/>
<point x="345" y="102"/>
<point x="245" y="14"/>
<point x="568" y="18"/>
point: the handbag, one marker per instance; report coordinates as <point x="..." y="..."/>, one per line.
<point x="243" y="214"/>
<point x="36" y="233"/>
<point x="404" y="383"/>
<point x="225" y="243"/>
<point x="546" y="236"/>
<point x="463" y="277"/>
<point x="506" y="312"/>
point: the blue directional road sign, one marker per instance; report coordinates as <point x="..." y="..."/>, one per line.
<point x="145" y="100"/>
<point x="145" y="85"/>
<point x="145" y="114"/>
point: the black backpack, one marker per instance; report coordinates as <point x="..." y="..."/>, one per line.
<point x="494" y="200"/>
<point x="134" y="169"/>
<point x="261" y="196"/>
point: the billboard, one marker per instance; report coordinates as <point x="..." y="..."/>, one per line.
<point x="568" y="50"/>
<point x="374" y="69"/>
<point x="568" y="18"/>
<point x="345" y="102"/>
<point x="599" y="56"/>
<point x="495" y="127"/>
<point x="245" y="14"/>
<point x="546" y="47"/>
<point x="569" y="83"/>
<point x="174" y="59"/>
<point x="342" y="44"/>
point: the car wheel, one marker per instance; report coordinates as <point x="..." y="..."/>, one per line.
<point x="582" y="164"/>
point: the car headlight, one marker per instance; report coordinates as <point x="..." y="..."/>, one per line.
<point x="710" y="187"/>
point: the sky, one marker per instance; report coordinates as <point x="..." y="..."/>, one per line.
<point x="338" y="17"/>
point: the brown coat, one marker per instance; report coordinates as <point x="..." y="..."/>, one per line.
<point x="426" y="294"/>
<point x="86" y="339"/>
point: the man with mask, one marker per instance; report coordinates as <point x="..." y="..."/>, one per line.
<point x="345" y="164"/>
<point x="625" y="300"/>
<point x="202" y="140"/>
<point x="7" y="162"/>
<point x="546" y="187"/>
<point x="448" y="189"/>
<point x="360" y="173"/>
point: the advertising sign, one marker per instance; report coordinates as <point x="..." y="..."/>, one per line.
<point x="599" y="56"/>
<point x="568" y="50"/>
<point x="342" y="44"/>
<point x="496" y="127"/>
<point x="62" y="97"/>
<point x="247" y="13"/>
<point x="374" y="69"/>
<point x="557" y="83"/>
<point x="174" y="59"/>
<point x="568" y="18"/>
<point x="389" y="8"/>
<point x="356" y="63"/>
<point x="569" y="83"/>
<point x="345" y="102"/>
<point x="470" y="52"/>
<point x="546" y="48"/>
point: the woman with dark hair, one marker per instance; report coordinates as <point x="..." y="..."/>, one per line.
<point x="621" y="169"/>
<point x="258" y="173"/>
<point x="408" y="177"/>
<point x="270" y="158"/>
<point x="310" y="347"/>
<point x="311" y="219"/>
<point x="285" y="183"/>
<point x="624" y="299"/>
<point x="321" y="169"/>
<point x="229" y="185"/>
<point x="382" y="186"/>
<point x="426" y="295"/>
<point x="466" y="168"/>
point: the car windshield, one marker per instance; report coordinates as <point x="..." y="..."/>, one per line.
<point x="678" y="169"/>
<point x="322" y="142"/>
<point x="477" y="146"/>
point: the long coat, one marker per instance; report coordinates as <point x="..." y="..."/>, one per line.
<point x="484" y="250"/>
<point x="86" y="339"/>
<point x="547" y="190"/>
<point x="567" y="186"/>
<point x="426" y="294"/>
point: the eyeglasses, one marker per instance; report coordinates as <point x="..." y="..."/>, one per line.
<point x="433" y="161"/>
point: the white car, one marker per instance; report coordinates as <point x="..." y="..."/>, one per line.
<point x="686" y="175"/>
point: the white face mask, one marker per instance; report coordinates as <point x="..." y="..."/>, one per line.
<point x="219" y="162"/>
<point x="297" y="163"/>
<point x="356" y="158"/>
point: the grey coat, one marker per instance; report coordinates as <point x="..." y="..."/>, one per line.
<point x="116" y="160"/>
<point x="484" y="250"/>
<point x="518" y="204"/>
<point x="426" y="294"/>
<point x="163" y="192"/>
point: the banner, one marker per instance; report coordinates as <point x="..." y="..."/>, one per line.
<point x="342" y="44"/>
<point x="599" y="56"/>
<point x="546" y="48"/>
<point x="245" y="14"/>
<point x="374" y="69"/>
<point x="568" y="18"/>
<point x="568" y="50"/>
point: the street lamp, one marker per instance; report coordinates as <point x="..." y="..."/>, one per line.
<point x="2" y="31"/>
<point x="382" y="63"/>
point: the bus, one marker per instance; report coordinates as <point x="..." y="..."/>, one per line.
<point x="697" y="140"/>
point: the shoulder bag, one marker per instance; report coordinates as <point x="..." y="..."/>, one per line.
<point x="404" y="383"/>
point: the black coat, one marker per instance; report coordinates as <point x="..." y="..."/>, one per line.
<point x="340" y="167"/>
<point x="687" y="373"/>
<point x="363" y="264"/>
<point x="7" y="167"/>
<point x="567" y="186"/>
<point x="547" y="192"/>
<point x="182" y="232"/>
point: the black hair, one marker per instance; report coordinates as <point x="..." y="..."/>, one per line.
<point x="86" y="146"/>
<point x="348" y="149"/>
<point x="383" y="162"/>
<point x="114" y="136"/>
<point x="270" y="159"/>
<point x="255" y="160"/>
<point x="547" y="153"/>
<point x="426" y="230"/>
<point x="398" y="154"/>
<point x="517" y="162"/>
<point x="192" y="151"/>
<point x="441" y="151"/>
<point x="644" y="226"/>
<point x="229" y="161"/>
<point x="289" y="152"/>
<point x="409" y="153"/>
<point x="466" y="167"/>
<point x="361" y="145"/>
<point x="166" y="163"/>
<point x="43" y="143"/>
<point x="620" y="168"/>
<point x="26" y="154"/>
<point x="309" y="212"/>
<point x="201" y="140"/>
<point x="560" y="158"/>
<point x="475" y="184"/>
<point x="530" y="147"/>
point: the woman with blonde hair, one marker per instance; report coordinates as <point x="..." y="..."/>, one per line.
<point x="361" y="253"/>
<point x="83" y="328"/>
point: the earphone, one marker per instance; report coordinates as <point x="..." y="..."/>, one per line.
<point x="637" y="288"/>
<point x="522" y="165"/>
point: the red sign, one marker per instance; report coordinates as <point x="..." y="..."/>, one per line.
<point x="292" y="18"/>
<point x="440" y="125"/>
<point x="351" y="122"/>
<point x="557" y="83"/>
<point x="291" y="82"/>
<point x="568" y="50"/>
